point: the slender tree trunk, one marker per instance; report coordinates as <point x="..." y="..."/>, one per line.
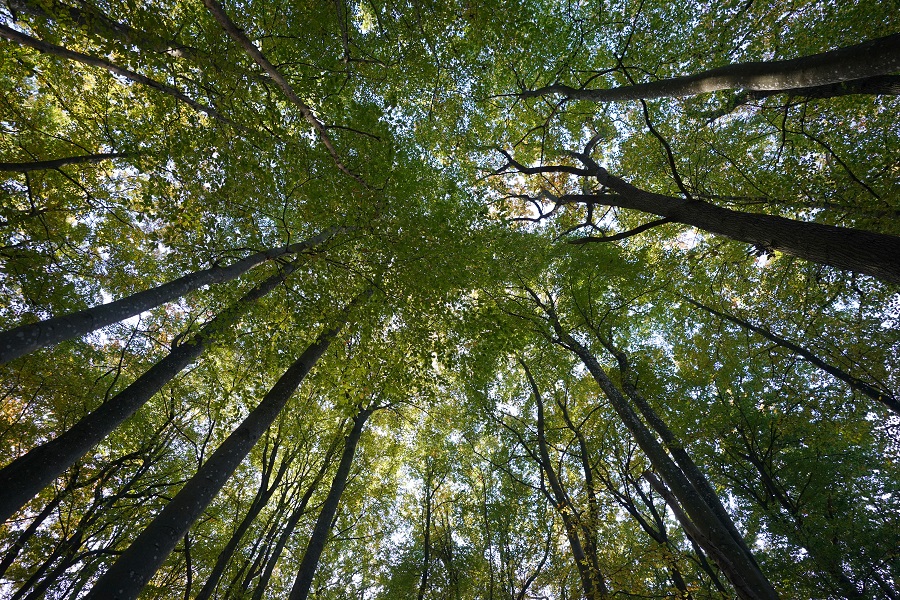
<point x="741" y="569"/>
<point x="291" y="523"/>
<point x="134" y="568"/>
<point x="41" y="165"/>
<point x="13" y="552"/>
<point x="94" y="61"/>
<point x="94" y="21"/>
<point x="303" y="582"/>
<point x="870" y="253"/>
<point x="27" y="338"/>
<point x="27" y="475"/>
<point x="879" y="395"/>
<point x="263" y="495"/>
<point x="592" y="580"/>
<point x="872" y="58"/>
<point x="426" y="544"/>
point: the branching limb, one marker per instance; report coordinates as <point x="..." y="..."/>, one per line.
<point x="623" y="235"/>
<point x="238" y="35"/>
<point x="52" y="49"/>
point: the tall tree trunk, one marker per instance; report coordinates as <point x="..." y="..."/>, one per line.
<point x="876" y="57"/>
<point x="303" y="582"/>
<point x="292" y="521"/>
<point x="592" y="580"/>
<point x="731" y="556"/>
<point x="426" y="544"/>
<point x="134" y="568"/>
<point x="26" y="338"/>
<point x="881" y="395"/>
<point x="40" y="165"/>
<point x="263" y="495"/>
<point x="27" y="475"/>
<point x="866" y="252"/>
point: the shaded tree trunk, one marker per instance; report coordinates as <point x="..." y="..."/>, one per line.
<point x="731" y="556"/>
<point x="134" y="568"/>
<point x="303" y="582"/>
<point x="263" y="495"/>
<point x="876" y="57"/>
<point x="27" y="475"/>
<point x="26" y="338"/>
<point x="874" y="254"/>
<point x="291" y="523"/>
<point x="40" y="165"/>
<point x="588" y="568"/>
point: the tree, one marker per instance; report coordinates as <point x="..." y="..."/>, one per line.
<point x="633" y="320"/>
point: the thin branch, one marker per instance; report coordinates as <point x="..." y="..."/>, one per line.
<point x="623" y="235"/>
<point x="238" y="35"/>
<point x="52" y="49"/>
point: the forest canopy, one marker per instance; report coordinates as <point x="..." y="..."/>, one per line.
<point x="549" y="299"/>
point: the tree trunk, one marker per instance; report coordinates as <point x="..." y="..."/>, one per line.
<point x="291" y="523"/>
<point x="876" y="57"/>
<point x="426" y="544"/>
<point x="94" y="21"/>
<point x="40" y="165"/>
<point x="134" y="568"/>
<point x="303" y="582"/>
<point x="27" y="475"/>
<point x="263" y="495"/>
<point x="27" y="338"/>
<point x="591" y="579"/>
<point x="743" y="572"/>
<point x="870" y="253"/>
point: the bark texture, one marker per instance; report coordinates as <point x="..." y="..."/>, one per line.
<point x="873" y="58"/>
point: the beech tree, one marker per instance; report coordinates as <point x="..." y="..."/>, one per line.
<point x="449" y="300"/>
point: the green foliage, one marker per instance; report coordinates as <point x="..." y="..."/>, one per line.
<point x="468" y="265"/>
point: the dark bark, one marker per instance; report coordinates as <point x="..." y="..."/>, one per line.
<point x="13" y="552"/>
<point x="291" y="523"/>
<point x="426" y="543"/>
<point x="743" y="572"/>
<point x="307" y="569"/>
<point x="592" y="579"/>
<point x="27" y="475"/>
<point x="134" y="568"/>
<point x="870" y="59"/>
<point x="697" y="479"/>
<point x="27" y="338"/>
<point x="865" y="252"/>
<point x="41" y="165"/>
<point x="879" y="395"/>
<point x="263" y="495"/>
